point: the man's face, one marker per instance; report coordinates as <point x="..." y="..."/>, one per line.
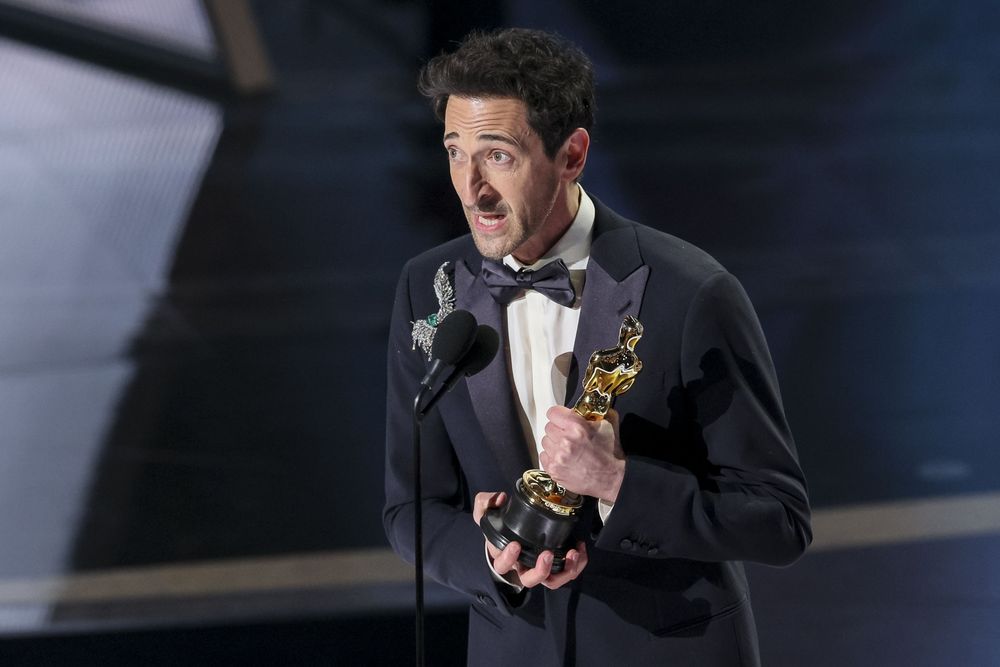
<point x="508" y="186"/>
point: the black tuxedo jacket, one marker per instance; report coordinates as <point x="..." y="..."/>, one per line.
<point x="711" y="476"/>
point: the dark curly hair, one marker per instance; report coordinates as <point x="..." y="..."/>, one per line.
<point x="553" y="78"/>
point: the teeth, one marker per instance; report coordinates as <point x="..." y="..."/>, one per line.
<point x="489" y="222"/>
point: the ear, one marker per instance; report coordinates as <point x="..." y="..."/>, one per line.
<point x="576" y="147"/>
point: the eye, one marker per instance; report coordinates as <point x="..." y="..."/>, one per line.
<point x="499" y="157"/>
<point x="452" y="152"/>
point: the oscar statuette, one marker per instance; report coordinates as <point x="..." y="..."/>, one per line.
<point x="540" y="514"/>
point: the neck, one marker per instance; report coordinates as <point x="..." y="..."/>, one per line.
<point x="560" y="218"/>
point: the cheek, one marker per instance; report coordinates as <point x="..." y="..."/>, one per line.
<point x="456" y="178"/>
<point x="535" y="193"/>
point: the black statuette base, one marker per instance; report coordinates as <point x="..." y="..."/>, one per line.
<point x="535" y="528"/>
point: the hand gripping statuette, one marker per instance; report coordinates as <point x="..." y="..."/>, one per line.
<point x="541" y="514"/>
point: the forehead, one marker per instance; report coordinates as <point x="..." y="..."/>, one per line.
<point x="468" y="117"/>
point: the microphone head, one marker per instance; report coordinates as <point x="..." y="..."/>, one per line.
<point x="483" y="350"/>
<point x="454" y="337"/>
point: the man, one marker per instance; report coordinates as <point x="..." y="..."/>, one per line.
<point x="693" y="472"/>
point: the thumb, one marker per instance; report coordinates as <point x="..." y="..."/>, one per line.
<point x="484" y="501"/>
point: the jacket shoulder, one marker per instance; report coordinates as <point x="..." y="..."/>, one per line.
<point x="627" y="243"/>
<point x="674" y="257"/>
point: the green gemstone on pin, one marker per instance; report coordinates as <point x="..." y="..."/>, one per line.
<point x="432" y="320"/>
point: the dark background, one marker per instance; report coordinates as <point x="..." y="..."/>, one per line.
<point x="195" y="289"/>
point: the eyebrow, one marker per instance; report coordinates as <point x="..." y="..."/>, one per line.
<point x="485" y="137"/>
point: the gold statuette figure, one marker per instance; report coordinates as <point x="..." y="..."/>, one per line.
<point x="610" y="372"/>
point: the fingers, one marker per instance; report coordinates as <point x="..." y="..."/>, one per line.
<point x="505" y="560"/>
<point x="562" y="418"/>
<point x="544" y="458"/>
<point x="560" y="415"/>
<point x="486" y="500"/>
<point x="538" y="574"/>
<point x="566" y="431"/>
<point x="563" y="438"/>
<point x="564" y="422"/>
<point x="576" y="561"/>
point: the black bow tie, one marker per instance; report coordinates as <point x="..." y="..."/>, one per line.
<point x="552" y="281"/>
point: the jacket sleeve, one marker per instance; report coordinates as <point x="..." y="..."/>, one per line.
<point x="453" y="544"/>
<point x="725" y="484"/>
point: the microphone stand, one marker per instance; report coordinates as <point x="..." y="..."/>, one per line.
<point x="418" y="528"/>
<point x="418" y="511"/>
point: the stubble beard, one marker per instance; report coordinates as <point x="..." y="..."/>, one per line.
<point x="500" y="247"/>
<point x="497" y="248"/>
<point x="518" y="231"/>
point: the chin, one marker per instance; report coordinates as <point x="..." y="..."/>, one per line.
<point x="490" y="253"/>
<point x="491" y="248"/>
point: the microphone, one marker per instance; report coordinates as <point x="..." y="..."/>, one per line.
<point x="454" y="338"/>
<point x="479" y="356"/>
<point x="484" y="348"/>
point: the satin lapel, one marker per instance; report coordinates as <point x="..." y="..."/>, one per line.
<point x="606" y="302"/>
<point x="490" y="390"/>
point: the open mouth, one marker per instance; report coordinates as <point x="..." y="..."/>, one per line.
<point x="488" y="221"/>
<point x="491" y="220"/>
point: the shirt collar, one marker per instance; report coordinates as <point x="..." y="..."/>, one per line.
<point x="573" y="247"/>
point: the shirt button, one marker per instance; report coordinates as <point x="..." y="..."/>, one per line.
<point x="625" y="544"/>
<point x="653" y="551"/>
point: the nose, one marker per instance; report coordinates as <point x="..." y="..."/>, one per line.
<point x="474" y="186"/>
